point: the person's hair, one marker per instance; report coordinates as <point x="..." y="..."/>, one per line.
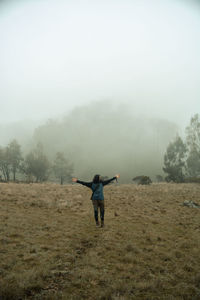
<point x="96" y="178"/>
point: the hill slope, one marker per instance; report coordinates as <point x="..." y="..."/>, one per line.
<point x="102" y="139"/>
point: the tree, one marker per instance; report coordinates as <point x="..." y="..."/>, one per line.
<point x="174" y="160"/>
<point x="5" y="163"/>
<point x="36" y="164"/>
<point x="193" y="163"/>
<point x="61" y="167"/>
<point x="193" y="144"/>
<point x="14" y="157"/>
<point x="27" y="167"/>
<point x="193" y="133"/>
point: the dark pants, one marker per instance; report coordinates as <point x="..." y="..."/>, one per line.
<point x="96" y="204"/>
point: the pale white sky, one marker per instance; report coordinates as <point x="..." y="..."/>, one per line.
<point x="55" y="55"/>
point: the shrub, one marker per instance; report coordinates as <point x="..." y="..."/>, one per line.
<point x="144" y="180"/>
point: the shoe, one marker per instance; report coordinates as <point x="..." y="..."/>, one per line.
<point x="102" y="223"/>
<point x="97" y="223"/>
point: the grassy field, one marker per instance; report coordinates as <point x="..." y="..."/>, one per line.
<point x="50" y="247"/>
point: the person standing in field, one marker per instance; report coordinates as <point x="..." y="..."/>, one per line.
<point x="96" y="185"/>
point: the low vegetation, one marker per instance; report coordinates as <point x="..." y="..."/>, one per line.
<point x="145" y="180"/>
<point x="51" y="249"/>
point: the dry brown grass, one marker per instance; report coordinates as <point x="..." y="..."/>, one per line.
<point x="50" y="248"/>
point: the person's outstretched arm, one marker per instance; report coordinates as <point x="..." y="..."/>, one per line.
<point x="88" y="184"/>
<point x="109" y="180"/>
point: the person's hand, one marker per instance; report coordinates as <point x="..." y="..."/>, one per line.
<point x="74" y="179"/>
<point x="117" y="175"/>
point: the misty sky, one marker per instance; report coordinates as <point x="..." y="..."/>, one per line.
<point x="55" y="55"/>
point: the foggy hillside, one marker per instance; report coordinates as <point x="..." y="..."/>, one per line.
<point x="106" y="139"/>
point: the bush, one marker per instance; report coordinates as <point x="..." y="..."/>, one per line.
<point x="144" y="180"/>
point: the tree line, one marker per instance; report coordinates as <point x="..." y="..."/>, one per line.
<point x="182" y="157"/>
<point x="181" y="160"/>
<point x="35" y="166"/>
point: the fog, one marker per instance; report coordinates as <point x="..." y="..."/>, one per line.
<point x="108" y="142"/>
<point x="98" y="140"/>
<point x="124" y="76"/>
<point x="57" y="55"/>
